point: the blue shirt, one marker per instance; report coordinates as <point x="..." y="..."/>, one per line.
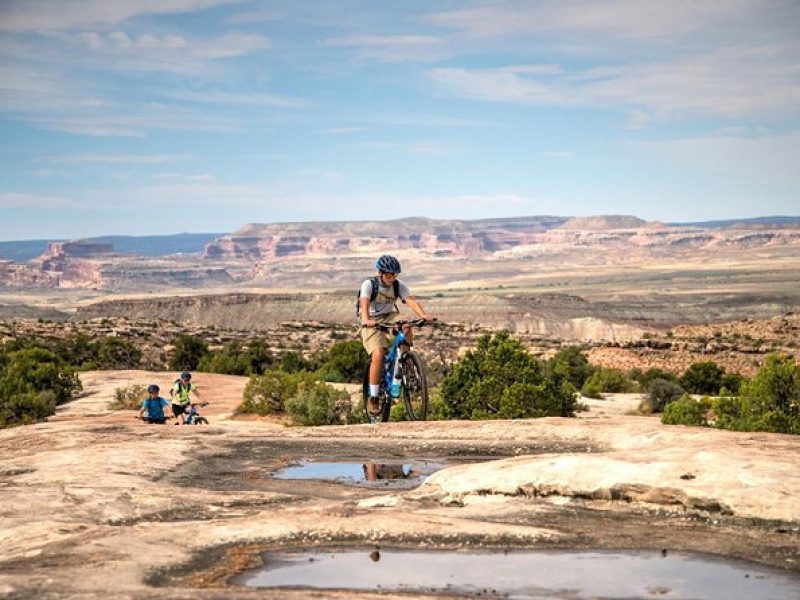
<point x="155" y="407"/>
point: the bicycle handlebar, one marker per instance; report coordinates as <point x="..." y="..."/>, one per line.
<point x="400" y="323"/>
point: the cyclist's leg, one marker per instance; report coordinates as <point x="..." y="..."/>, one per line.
<point x="374" y="342"/>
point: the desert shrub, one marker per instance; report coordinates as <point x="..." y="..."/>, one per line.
<point x="647" y="377"/>
<point x="294" y="362"/>
<point x="768" y="402"/>
<point x="187" y="353"/>
<point x="320" y="404"/>
<point x="702" y="378"/>
<point x="231" y="360"/>
<point x="25" y="408"/>
<point x="500" y="379"/>
<point x="732" y="382"/>
<point x="234" y="359"/>
<point x="684" y="411"/>
<point x="129" y="398"/>
<point x="33" y="381"/>
<point x="606" y="380"/>
<point x="437" y="411"/>
<point x="660" y="393"/>
<point x="268" y="393"/>
<point x="344" y="362"/>
<point x="77" y="350"/>
<point x="259" y="356"/>
<point x="115" y="353"/>
<point x="570" y="363"/>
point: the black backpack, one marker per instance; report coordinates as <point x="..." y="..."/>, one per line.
<point x="375" y="283"/>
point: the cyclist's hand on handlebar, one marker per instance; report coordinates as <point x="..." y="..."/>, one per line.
<point x="368" y="323"/>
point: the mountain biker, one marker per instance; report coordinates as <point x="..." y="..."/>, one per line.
<point x="154" y="406"/>
<point x="380" y="306"/>
<point x="179" y="393"/>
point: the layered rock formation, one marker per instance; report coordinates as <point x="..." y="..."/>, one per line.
<point x="485" y="237"/>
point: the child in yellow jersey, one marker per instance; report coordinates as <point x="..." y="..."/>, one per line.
<point x="180" y="393"/>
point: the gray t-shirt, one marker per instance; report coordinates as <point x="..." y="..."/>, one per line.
<point x="385" y="302"/>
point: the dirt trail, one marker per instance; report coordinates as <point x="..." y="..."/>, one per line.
<point x="96" y="504"/>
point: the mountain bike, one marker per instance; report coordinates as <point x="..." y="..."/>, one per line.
<point x="402" y="375"/>
<point x="193" y="416"/>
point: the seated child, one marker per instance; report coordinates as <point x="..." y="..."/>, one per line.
<point x="154" y="406"/>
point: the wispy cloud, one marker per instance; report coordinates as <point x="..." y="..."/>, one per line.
<point x="427" y="148"/>
<point x="391" y="48"/>
<point x="120" y="51"/>
<point x="632" y="19"/>
<point x="727" y="83"/>
<point x="36" y="15"/>
<point x="240" y="99"/>
<point x="23" y="200"/>
<point x="144" y="159"/>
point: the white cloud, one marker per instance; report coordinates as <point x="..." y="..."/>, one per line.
<point x="427" y="148"/>
<point x="244" y="99"/>
<point x="728" y="83"/>
<point x="22" y="200"/>
<point x="391" y="48"/>
<point x="144" y="159"/>
<point x="632" y="19"/>
<point x="36" y="15"/>
<point x="119" y="51"/>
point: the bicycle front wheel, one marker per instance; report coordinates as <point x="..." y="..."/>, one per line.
<point x="415" y="388"/>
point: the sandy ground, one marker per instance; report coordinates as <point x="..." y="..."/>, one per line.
<point x="97" y="505"/>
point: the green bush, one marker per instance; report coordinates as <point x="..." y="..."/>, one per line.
<point x="606" y="380"/>
<point x="231" y="360"/>
<point x="500" y="379"/>
<point x="320" y="404"/>
<point x="684" y="411"/>
<point x="268" y="393"/>
<point x="660" y="393"/>
<point x="646" y="378"/>
<point x="25" y="408"/>
<point x="115" y="353"/>
<point x="129" y="398"/>
<point x="769" y="402"/>
<point x="703" y="378"/>
<point x="188" y="352"/>
<point x="571" y="364"/>
<point x="344" y="362"/>
<point x="293" y="362"/>
<point x="33" y="381"/>
<point x="731" y="382"/>
<point x="234" y="359"/>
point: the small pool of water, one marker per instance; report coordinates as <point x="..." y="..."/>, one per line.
<point x="568" y="575"/>
<point x="368" y="473"/>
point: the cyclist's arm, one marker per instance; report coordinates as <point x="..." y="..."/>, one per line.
<point x="414" y="304"/>
<point x="363" y="305"/>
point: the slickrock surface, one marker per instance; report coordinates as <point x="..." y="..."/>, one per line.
<point x="98" y="505"/>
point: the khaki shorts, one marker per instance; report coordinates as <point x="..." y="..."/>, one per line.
<point x="373" y="339"/>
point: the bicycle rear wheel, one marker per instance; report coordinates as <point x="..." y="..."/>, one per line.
<point x="386" y="407"/>
<point x="415" y="388"/>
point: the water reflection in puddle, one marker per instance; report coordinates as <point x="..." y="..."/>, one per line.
<point x="362" y="473"/>
<point x="526" y="574"/>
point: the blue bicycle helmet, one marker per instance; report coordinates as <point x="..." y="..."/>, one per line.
<point x="186" y="375"/>
<point x="153" y="388"/>
<point x="388" y="264"/>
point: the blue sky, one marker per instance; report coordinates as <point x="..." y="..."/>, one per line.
<point x="165" y="116"/>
